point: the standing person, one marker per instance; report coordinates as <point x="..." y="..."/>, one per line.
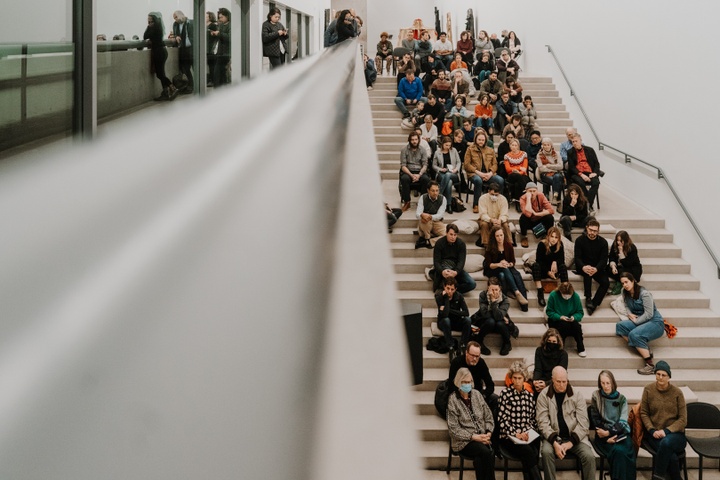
<point x="154" y="35"/>
<point x="591" y="257"/>
<point x="183" y="32"/>
<point x="274" y="36"/>
<point x="664" y="415"/>
<point x="452" y="314"/>
<point x="345" y="26"/>
<point x="211" y="26"/>
<point x="561" y="414"/>
<point x="609" y="415"/>
<point x="516" y="417"/>
<point x="564" y="312"/>
<point x="644" y="321"/>
<point x="222" y="50"/>
<point x="470" y="425"/>
<point x="549" y="262"/>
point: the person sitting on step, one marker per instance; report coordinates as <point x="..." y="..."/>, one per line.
<point x="458" y="63"/>
<point x="410" y="92"/>
<point x="644" y="322"/>
<point x="548" y="355"/>
<point x="442" y="89"/>
<point x="506" y="108"/>
<point x="535" y="210"/>
<point x="430" y="211"/>
<point x="549" y="262"/>
<point x="515" y="126"/>
<point x="513" y="87"/>
<point x="500" y="262"/>
<point x="481" y="166"/>
<point x="623" y="258"/>
<point x="493" y="209"/>
<point x="492" y="316"/>
<point x="564" y="313"/>
<point x="492" y="87"/>
<point x="575" y="210"/>
<point x="458" y="113"/>
<point x="449" y="261"/>
<point x="484" y="114"/>
<point x="591" y="258"/>
<point x="452" y="314"/>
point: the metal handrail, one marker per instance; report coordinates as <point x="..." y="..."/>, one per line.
<point x="629" y="159"/>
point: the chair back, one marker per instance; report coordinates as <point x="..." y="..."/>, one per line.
<point x="701" y="415"/>
<point x="399" y="52"/>
<point x="498" y="51"/>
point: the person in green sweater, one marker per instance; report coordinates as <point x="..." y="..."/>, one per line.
<point x="664" y="416"/>
<point x="564" y="312"/>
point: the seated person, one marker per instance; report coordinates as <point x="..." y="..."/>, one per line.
<point x="413" y="168"/>
<point x="409" y="42"/>
<point x="458" y="62"/>
<point x="453" y="313"/>
<point x="478" y="369"/>
<point x="429" y="132"/>
<point x="644" y="322"/>
<point x="436" y="109"/>
<point x="624" y="258"/>
<point x="548" y="355"/>
<point x="458" y="113"/>
<point x="550" y="170"/>
<point x="443" y="48"/>
<point x="430" y="212"/>
<point x="393" y="214"/>
<point x="432" y="69"/>
<point x="460" y="87"/>
<point x="500" y="262"/>
<point x="470" y="425"/>
<point x="567" y="145"/>
<point x="515" y="126"/>
<point x="535" y="209"/>
<point x="514" y="89"/>
<point x="425" y="146"/>
<point x="493" y="317"/>
<point x="549" y="262"/>
<point x="370" y="72"/>
<point x="405" y="65"/>
<point x="561" y="414"/>
<point x="417" y="116"/>
<point x="410" y="92"/>
<point x="591" y="258"/>
<point x="516" y="167"/>
<point x="469" y="131"/>
<point x="482" y="68"/>
<point x="442" y="89"/>
<point x="465" y="47"/>
<point x="384" y="52"/>
<point x="424" y="48"/>
<point x="529" y="115"/>
<point x="446" y="164"/>
<point x="459" y="142"/>
<point x="504" y="148"/>
<point x="506" y="108"/>
<point x="532" y="148"/>
<point x="449" y="261"/>
<point x="484" y="44"/>
<point x="564" y="312"/>
<point x="481" y="166"/>
<point x="664" y="415"/>
<point x="513" y="44"/>
<point x="506" y="66"/>
<point x="493" y="209"/>
<point x="492" y="87"/>
<point x="484" y="114"/>
<point x="584" y="168"/>
<point x="575" y="210"/>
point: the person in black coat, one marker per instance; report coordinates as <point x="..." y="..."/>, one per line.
<point x="345" y="27"/>
<point x="183" y="34"/>
<point x="584" y="168"/>
<point x="624" y="257"/>
<point x="274" y="36"/>
<point x="154" y="38"/>
<point x="478" y="369"/>
<point x="222" y="53"/>
<point x="591" y="259"/>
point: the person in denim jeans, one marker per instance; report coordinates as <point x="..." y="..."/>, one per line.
<point x="644" y="321"/>
<point x="500" y="262"/>
<point x="664" y="416"/>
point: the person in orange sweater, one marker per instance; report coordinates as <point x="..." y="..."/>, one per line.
<point x="484" y="114"/>
<point x="458" y="62"/>
<point x="516" y="165"/>
<point x="536" y="209"/>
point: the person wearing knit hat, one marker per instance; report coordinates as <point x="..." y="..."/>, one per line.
<point x="535" y="210"/>
<point x="664" y="416"/>
<point x="663" y="365"/>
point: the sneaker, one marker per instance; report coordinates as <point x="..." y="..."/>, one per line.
<point x="647" y="370"/>
<point x="484" y="350"/>
<point x="582" y="354"/>
<point x="370" y="88"/>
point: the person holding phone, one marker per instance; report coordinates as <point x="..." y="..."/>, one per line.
<point x="274" y="36"/>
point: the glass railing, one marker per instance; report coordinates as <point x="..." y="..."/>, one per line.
<point x="628" y="158"/>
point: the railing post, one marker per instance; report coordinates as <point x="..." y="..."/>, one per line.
<point x="627" y="158"/>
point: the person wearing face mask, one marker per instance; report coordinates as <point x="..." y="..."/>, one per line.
<point x="548" y="355"/>
<point x="493" y="209"/>
<point x="470" y="425"/>
<point x="564" y="312"/>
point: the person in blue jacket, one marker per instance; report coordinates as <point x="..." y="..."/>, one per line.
<point x="410" y="92"/>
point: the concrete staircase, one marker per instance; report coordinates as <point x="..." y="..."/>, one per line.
<point x="693" y="354"/>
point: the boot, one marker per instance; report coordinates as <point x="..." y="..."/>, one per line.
<point x="164" y="96"/>
<point x="535" y="473"/>
<point x="172" y="92"/>
<point x="541" y="297"/>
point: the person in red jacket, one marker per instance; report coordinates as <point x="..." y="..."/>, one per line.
<point x="535" y="209"/>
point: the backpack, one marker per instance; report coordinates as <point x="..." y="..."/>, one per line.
<point x="457" y="205"/>
<point x="442" y="396"/>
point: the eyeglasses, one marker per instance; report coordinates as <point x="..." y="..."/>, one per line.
<point x="593" y="230"/>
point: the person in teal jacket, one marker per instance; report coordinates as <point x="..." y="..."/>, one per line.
<point x="564" y="312"/>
